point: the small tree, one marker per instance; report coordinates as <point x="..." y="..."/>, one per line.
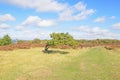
<point x="58" y="39"/>
<point x="1" y="42"/>
<point x="6" y="40"/>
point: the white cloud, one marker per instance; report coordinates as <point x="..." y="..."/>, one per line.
<point x="95" y="30"/>
<point x="37" y="21"/>
<point x="112" y="17"/>
<point x="31" y="34"/>
<point x="85" y="32"/>
<point x="39" y="5"/>
<point x="19" y="28"/>
<point x="76" y="12"/>
<point x="116" y="25"/>
<point x="46" y="23"/>
<point x="65" y="11"/>
<point x="100" y="19"/>
<point x="4" y="26"/>
<point x="2" y="32"/>
<point x="32" y="20"/>
<point x="6" y="17"/>
<point x="79" y="6"/>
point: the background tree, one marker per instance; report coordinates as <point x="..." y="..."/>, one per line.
<point x="1" y="42"/>
<point x="59" y="39"/>
<point x="6" y="40"/>
<point x="36" y="41"/>
<point x="20" y="41"/>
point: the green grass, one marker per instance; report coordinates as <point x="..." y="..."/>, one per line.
<point x="79" y="64"/>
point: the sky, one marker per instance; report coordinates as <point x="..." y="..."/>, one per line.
<point x="83" y="19"/>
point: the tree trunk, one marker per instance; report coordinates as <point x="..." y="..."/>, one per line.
<point x="46" y="47"/>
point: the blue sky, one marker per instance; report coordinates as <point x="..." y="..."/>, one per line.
<point x="83" y="19"/>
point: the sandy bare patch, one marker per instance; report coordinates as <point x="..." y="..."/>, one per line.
<point x="116" y="76"/>
<point x="41" y="73"/>
<point x="82" y="66"/>
<point x="22" y="78"/>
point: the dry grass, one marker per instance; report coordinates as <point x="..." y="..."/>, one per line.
<point x="79" y="64"/>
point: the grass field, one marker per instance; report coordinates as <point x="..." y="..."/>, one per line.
<point x="79" y="64"/>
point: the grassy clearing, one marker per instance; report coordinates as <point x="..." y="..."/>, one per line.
<point x="81" y="64"/>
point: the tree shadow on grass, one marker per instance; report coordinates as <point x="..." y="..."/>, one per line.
<point x="55" y="51"/>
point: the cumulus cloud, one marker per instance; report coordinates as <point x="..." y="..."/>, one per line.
<point x="32" y="20"/>
<point x="41" y="34"/>
<point x="116" y="25"/>
<point x="79" y="6"/>
<point x="100" y="19"/>
<point x="4" y="26"/>
<point x="64" y="10"/>
<point x="112" y="17"/>
<point x="76" y="12"/>
<point x="46" y="23"/>
<point x="19" y="28"/>
<point x="86" y="32"/>
<point x="39" y="5"/>
<point x="35" y="21"/>
<point x="6" y="17"/>
<point x="95" y="30"/>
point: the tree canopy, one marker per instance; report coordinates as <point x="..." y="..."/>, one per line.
<point x="58" y="39"/>
<point x="6" y="40"/>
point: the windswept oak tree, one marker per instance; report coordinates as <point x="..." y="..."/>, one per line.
<point x="59" y="39"/>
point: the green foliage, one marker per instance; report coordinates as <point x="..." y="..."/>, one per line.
<point x="20" y="41"/>
<point x="6" y="40"/>
<point x="99" y="41"/>
<point x="61" y="39"/>
<point x="1" y="42"/>
<point x="38" y="41"/>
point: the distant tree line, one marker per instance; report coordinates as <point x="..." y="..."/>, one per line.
<point x="59" y="39"/>
<point x="55" y="42"/>
<point x="99" y="41"/>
